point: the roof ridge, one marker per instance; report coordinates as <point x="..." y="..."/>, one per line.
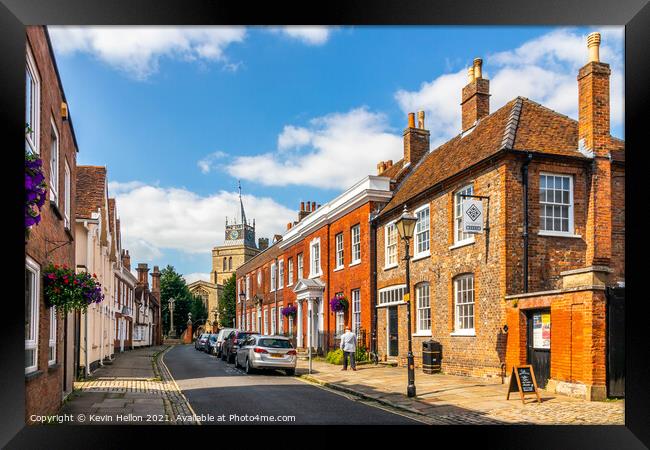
<point x="510" y="130"/>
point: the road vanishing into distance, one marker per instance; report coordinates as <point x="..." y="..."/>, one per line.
<point x="226" y="395"/>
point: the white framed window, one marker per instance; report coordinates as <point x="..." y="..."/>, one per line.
<point x="281" y="274"/>
<point x="391" y="295"/>
<point x="356" y="311"/>
<point x="273" y="277"/>
<point x="421" y="232"/>
<point x="280" y="321"/>
<point x="423" y="319"/>
<point x="32" y="104"/>
<point x="556" y="203"/>
<point x="339" y="251"/>
<point x="266" y="321"/>
<point x="274" y="318"/>
<point x="314" y="251"/>
<point x="340" y="323"/>
<point x="290" y="325"/>
<point x="32" y="300"/>
<point x="390" y="245"/>
<point x="54" y="165"/>
<point x="290" y="280"/>
<point x="251" y="322"/>
<point x="259" y="278"/>
<point x="301" y="266"/>
<point x="464" y="304"/>
<point x="248" y="287"/>
<point x="66" y="196"/>
<point x="355" y="234"/>
<point x="459" y="236"/>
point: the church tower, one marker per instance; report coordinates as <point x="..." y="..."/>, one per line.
<point x="239" y="246"/>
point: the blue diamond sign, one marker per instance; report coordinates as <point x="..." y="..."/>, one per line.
<point x="472" y="216"/>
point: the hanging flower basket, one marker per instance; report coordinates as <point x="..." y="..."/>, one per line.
<point x="339" y="303"/>
<point x="70" y="291"/>
<point x="35" y="189"/>
<point x="289" y="311"/>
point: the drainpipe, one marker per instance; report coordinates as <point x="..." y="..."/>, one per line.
<point x="87" y="369"/>
<point x="327" y="292"/>
<point x="373" y="284"/>
<point x="278" y="282"/>
<point x="524" y="177"/>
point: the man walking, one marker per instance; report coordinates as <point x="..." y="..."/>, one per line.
<point x="349" y="347"/>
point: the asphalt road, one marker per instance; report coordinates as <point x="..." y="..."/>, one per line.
<point x="216" y="388"/>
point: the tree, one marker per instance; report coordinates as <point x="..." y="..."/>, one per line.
<point x="173" y="285"/>
<point x="228" y="303"/>
<point x="198" y="310"/>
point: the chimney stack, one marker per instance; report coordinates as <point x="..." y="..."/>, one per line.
<point x="381" y="166"/>
<point x="475" y="103"/>
<point x="263" y="243"/>
<point x="155" y="282"/>
<point x="288" y="225"/>
<point x="126" y="259"/>
<point x="594" y="140"/>
<point x="143" y="274"/>
<point x="313" y="206"/>
<point x="304" y="211"/>
<point x="416" y="140"/>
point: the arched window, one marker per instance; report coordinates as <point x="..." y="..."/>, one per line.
<point x="423" y="321"/>
<point x="230" y="263"/>
<point x="224" y="264"/>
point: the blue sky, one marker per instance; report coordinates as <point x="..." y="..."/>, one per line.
<point x="178" y="115"/>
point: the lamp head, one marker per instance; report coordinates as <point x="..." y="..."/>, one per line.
<point x="406" y="224"/>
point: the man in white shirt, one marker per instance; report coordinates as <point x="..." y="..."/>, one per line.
<point x="349" y="347"/>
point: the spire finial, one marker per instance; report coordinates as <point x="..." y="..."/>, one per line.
<point x="241" y="204"/>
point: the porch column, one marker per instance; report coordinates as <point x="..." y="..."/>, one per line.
<point x="299" y="324"/>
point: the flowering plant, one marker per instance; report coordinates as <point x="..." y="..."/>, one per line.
<point x="35" y="189"/>
<point x="289" y="311"/>
<point x="71" y="291"/>
<point x="339" y="303"/>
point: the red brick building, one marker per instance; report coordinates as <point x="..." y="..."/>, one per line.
<point x="532" y="288"/>
<point x="49" y="335"/>
<point x="326" y="252"/>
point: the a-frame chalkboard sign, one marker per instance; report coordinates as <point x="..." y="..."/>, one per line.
<point x="522" y="379"/>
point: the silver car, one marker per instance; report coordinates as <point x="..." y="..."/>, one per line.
<point x="266" y="352"/>
<point x="221" y="336"/>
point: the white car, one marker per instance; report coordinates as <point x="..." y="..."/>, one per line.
<point x="266" y="352"/>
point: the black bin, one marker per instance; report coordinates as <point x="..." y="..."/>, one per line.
<point x="431" y="356"/>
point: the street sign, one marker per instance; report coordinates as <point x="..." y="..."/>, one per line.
<point x="472" y="216"/>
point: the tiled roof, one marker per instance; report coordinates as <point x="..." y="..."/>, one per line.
<point x="521" y="124"/>
<point x="91" y="186"/>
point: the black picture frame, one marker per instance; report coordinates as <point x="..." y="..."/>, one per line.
<point x="633" y="14"/>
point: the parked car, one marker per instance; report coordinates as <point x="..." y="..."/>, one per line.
<point x="221" y="336"/>
<point x="201" y="341"/>
<point x="231" y="344"/>
<point x="267" y="352"/>
<point x="212" y="342"/>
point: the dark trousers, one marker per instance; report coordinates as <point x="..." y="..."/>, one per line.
<point x="350" y="355"/>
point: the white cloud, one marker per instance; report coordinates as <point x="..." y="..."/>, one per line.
<point x="311" y="35"/>
<point x="137" y="50"/>
<point x="334" y="151"/>
<point x="155" y="219"/>
<point x="543" y="69"/>
<point x="207" y="163"/>
<point x="192" y="277"/>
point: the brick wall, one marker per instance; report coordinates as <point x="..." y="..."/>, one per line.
<point x="44" y="388"/>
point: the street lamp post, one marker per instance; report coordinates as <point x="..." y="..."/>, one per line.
<point x="172" y="331"/>
<point x="405" y="227"/>
<point x="242" y="298"/>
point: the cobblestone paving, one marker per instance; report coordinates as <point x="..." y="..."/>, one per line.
<point x="115" y="395"/>
<point x="452" y="400"/>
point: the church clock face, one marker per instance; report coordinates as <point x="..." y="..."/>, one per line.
<point x="234" y="234"/>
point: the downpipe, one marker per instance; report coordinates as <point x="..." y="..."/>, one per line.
<point x="524" y="178"/>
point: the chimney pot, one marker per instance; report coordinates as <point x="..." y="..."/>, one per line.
<point x="421" y="120"/>
<point x="411" y="120"/>
<point x="470" y="74"/>
<point x="313" y="206"/>
<point x="289" y="226"/>
<point x="478" y="68"/>
<point x="381" y="166"/>
<point x="302" y="206"/>
<point x="593" y="43"/>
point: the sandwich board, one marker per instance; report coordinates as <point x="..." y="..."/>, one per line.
<point x="522" y="380"/>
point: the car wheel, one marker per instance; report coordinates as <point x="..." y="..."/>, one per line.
<point x="231" y="358"/>
<point x="290" y="372"/>
<point x="249" y="369"/>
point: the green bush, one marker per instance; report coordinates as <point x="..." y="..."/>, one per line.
<point x="335" y="357"/>
<point x="361" y="355"/>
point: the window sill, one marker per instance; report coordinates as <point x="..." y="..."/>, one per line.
<point x="556" y="234"/>
<point x="53" y="367"/>
<point x="56" y="209"/>
<point x="338" y="268"/>
<point x="33" y="375"/>
<point x="315" y="275"/>
<point x="421" y="256"/>
<point x="355" y="263"/>
<point x="392" y="266"/>
<point x="422" y="334"/>
<point x="465" y="333"/>
<point x="462" y="244"/>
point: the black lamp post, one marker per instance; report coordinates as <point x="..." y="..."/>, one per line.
<point x="405" y="227"/>
<point x="242" y="298"/>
